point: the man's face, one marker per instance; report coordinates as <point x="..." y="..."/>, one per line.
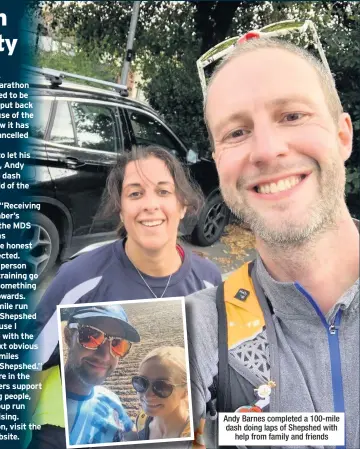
<point x="279" y="153"/>
<point x="91" y="367"/>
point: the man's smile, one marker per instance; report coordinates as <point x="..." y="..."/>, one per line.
<point x="271" y="187"/>
<point x="283" y="184"/>
<point x="97" y="366"/>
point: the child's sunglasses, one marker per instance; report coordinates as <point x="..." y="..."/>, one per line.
<point x="90" y="337"/>
<point x="161" y="388"/>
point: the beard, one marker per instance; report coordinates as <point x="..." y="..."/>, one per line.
<point x="321" y="215"/>
<point x="83" y="373"/>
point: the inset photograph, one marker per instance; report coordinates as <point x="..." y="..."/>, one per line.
<point x="125" y="372"/>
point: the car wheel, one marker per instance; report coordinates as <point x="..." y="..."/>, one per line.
<point x="44" y="237"/>
<point x="212" y="221"/>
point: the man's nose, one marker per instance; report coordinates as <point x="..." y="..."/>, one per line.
<point x="268" y="144"/>
<point x="104" y="350"/>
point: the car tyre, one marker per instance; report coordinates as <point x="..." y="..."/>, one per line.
<point x="45" y="240"/>
<point x="214" y="216"/>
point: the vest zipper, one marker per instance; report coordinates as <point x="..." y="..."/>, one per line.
<point x="334" y="349"/>
<point x="334" y="326"/>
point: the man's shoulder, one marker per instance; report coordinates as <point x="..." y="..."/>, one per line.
<point x="202" y="316"/>
<point x="202" y="298"/>
<point x="201" y="308"/>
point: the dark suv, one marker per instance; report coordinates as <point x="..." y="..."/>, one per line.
<point x="75" y="138"/>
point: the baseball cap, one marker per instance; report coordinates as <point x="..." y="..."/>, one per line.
<point x="113" y="312"/>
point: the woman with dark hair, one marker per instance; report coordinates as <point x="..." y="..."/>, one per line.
<point x="150" y="191"/>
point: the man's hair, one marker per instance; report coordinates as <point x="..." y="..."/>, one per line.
<point x="327" y="81"/>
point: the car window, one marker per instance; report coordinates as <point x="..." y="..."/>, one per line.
<point x="41" y="117"/>
<point x="148" y="131"/>
<point x="62" y="130"/>
<point x="95" y="126"/>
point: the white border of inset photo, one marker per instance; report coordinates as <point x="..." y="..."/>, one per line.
<point x="123" y="443"/>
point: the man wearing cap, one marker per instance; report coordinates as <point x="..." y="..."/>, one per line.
<point x="280" y="139"/>
<point x="97" y="337"/>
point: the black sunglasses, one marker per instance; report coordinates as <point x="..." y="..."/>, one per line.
<point x="161" y="388"/>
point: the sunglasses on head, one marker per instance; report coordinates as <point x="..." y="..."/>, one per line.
<point x="277" y="29"/>
<point x="90" y="337"/>
<point x="161" y="388"/>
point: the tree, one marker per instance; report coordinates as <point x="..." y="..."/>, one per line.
<point x="77" y="62"/>
<point x="214" y="19"/>
<point x="171" y="36"/>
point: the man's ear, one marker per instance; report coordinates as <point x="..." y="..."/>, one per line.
<point x="216" y="156"/>
<point x="67" y="335"/>
<point x="183" y="212"/>
<point x="345" y="135"/>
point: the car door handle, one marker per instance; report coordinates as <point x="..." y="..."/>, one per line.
<point x="72" y="162"/>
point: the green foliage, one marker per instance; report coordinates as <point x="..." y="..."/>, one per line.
<point x="79" y="62"/>
<point x="170" y="37"/>
<point x="353" y="178"/>
<point x="185" y="117"/>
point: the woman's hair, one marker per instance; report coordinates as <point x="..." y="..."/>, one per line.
<point x="187" y="191"/>
<point x="173" y="354"/>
